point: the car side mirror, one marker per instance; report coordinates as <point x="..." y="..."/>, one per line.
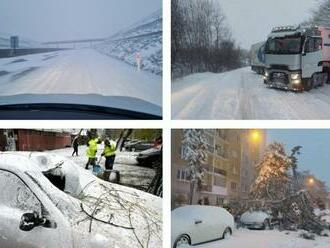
<point x="32" y="220"/>
<point x="198" y="222"/>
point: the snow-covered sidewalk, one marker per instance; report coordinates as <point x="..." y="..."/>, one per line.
<point x="244" y="238"/>
<point x="241" y="94"/>
<point x="80" y="71"/>
<point x="130" y="173"/>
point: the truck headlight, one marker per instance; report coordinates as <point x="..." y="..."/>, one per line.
<point x="266" y="74"/>
<point x="295" y="76"/>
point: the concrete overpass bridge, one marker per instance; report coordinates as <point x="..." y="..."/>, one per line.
<point x="58" y="43"/>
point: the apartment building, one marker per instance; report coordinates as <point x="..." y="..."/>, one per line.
<point x="222" y="180"/>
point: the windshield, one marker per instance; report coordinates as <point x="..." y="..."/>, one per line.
<point x="106" y="48"/>
<point x="284" y="45"/>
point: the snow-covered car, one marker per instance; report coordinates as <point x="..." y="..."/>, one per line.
<point x="149" y="157"/>
<point x="256" y="220"/>
<point x="49" y="201"/>
<point x="196" y="224"/>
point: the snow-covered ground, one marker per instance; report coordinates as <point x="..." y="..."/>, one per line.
<point x="130" y="173"/>
<point x="80" y="71"/>
<point x="241" y="94"/>
<point x="267" y="239"/>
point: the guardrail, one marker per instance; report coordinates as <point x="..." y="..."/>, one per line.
<point x="7" y="53"/>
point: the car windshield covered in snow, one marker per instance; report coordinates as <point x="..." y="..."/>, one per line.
<point x="284" y="45"/>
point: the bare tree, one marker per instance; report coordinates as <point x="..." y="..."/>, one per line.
<point x="201" y="39"/>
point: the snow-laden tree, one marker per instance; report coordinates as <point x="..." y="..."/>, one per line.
<point x="194" y="144"/>
<point x="273" y="181"/>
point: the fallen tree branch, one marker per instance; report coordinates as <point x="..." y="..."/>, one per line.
<point x="102" y="221"/>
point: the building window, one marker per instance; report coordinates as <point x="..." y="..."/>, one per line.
<point x="219" y="181"/>
<point x="234" y="170"/>
<point x="233" y="186"/>
<point x="183" y="151"/>
<point x="182" y="175"/>
<point x="219" y="201"/>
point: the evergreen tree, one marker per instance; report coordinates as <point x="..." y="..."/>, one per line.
<point x="273" y="181"/>
<point x="194" y="144"/>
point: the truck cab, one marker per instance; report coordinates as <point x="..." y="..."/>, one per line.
<point x="297" y="58"/>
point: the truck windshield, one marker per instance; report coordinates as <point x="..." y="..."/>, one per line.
<point x="284" y="45"/>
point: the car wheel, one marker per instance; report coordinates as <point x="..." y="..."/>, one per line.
<point x="226" y="234"/>
<point x="181" y="241"/>
<point x="266" y="225"/>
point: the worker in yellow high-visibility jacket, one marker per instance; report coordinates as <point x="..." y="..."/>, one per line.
<point x="91" y="151"/>
<point x="109" y="153"/>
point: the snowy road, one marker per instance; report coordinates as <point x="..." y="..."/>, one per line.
<point x="130" y="173"/>
<point x="267" y="239"/>
<point x="241" y="94"/>
<point x="80" y="71"/>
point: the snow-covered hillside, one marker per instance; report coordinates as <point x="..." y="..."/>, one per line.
<point x="241" y="94"/>
<point x="144" y="37"/>
<point x="23" y="42"/>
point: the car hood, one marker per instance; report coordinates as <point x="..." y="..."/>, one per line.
<point x="124" y="217"/>
<point x="112" y="102"/>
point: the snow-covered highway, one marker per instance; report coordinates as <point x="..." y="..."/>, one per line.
<point x="80" y="71"/>
<point x="241" y="94"/>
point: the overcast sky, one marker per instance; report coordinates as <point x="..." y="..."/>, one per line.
<point x="252" y="20"/>
<point x="315" y="154"/>
<point x="49" y="20"/>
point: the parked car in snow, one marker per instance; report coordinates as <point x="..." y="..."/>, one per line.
<point x="256" y="220"/>
<point x="196" y="224"/>
<point x="137" y="145"/>
<point x="149" y="157"/>
<point x="48" y="200"/>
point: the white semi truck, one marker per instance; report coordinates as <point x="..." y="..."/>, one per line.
<point x="297" y="58"/>
<point x="257" y="57"/>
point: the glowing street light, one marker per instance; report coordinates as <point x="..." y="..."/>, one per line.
<point x="255" y="136"/>
<point x="310" y="181"/>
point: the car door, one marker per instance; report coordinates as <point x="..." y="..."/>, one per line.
<point x="17" y="199"/>
<point x="216" y="223"/>
<point x="311" y="57"/>
<point x="201" y="225"/>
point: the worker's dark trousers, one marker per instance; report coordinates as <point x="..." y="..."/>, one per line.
<point x="91" y="161"/>
<point x="75" y="151"/>
<point x="109" y="161"/>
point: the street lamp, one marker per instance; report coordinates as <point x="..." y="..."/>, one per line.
<point x="310" y="181"/>
<point x="255" y="136"/>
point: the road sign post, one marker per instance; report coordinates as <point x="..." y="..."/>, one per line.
<point x="14" y="44"/>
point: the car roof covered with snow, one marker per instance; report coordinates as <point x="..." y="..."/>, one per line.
<point x="254" y="216"/>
